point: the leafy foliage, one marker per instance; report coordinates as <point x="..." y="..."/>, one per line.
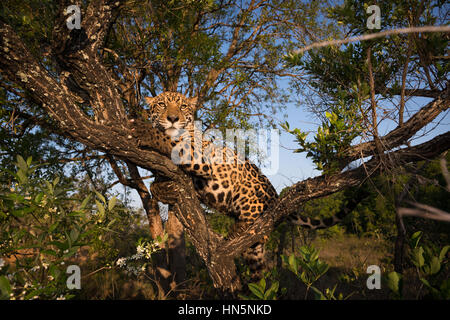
<point x="43" y="228"/>
<point x="261" y="291"/>
<point x="309" y="269"/>
<point x="431" y="265"/>
<point x="333" y="138"/>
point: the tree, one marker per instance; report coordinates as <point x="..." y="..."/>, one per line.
<point x="89" y="99"/>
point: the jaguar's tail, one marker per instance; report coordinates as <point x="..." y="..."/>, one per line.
<point x="317" y="223"/>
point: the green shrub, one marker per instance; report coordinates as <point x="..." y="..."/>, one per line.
<point x="43" y="226"/>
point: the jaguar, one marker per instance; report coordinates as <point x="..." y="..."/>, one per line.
<point x="225" y="180"/>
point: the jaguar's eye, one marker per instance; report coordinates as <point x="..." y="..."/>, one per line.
<point x="183" y="106"/>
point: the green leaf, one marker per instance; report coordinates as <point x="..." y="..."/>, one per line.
<point x="49" y="187"/>
<point x="71" y="252"/>
<point x="21" y="163"/>
<point x="417" y="257"/>
<point x="59" y="244"/>
<point x="319" y="294"/>
<point x="433" y="290"/>
<point x="393" y="281"/>
<point x="111" y="223"/>
<point x="49" y="252"/>
<point x="39" y="197"/>
<point x="293" y="265"/>
<point x="415" y="238"/>
<point x="54" y="271"/>
<point x="33" y="293"/>
<point x="5" y="287"/>
<point x="262" y="284"/>
<point x="256" y="290"/>
<point x="74" y="233"/>
<point x="100" y="208"/>
<point x="53" y="227"/>
<point x="271" y="293"/>
<point x="443" y="253"/>
<point x="112" y="203"/>
<point x="22" y="176"/>
<point x="100" y="197"/>
<point x="85" y="202"/>
<point x="435" y="265"/>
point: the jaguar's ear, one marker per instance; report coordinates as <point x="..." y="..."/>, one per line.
<point x="149" y="100"/>
<point x="194" y="101"/>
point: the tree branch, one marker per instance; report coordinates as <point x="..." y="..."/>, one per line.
<point x="374" y="36"/>
<point x="401" y="134"/>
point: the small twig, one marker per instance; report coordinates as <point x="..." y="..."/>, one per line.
<point x="94" y="272"/>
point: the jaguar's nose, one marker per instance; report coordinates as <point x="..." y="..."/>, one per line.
<point x="173" y="119"/>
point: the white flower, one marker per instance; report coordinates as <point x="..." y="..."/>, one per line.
<point x="61" y="297"/>
<point x="35" y="268"/>
<point x="121" y="262"/>
<point x="140" y="249"/>
<point x="2" y="263"/>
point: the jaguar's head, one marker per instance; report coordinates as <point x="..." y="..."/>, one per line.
<point x="172" y="112"/>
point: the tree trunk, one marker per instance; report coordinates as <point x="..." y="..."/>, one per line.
<point x="177" y="251"/>
<point x="159" y="259"/>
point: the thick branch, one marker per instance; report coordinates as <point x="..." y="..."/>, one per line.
<point x="76" y="52"/>
<point x="402" y="134"/>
